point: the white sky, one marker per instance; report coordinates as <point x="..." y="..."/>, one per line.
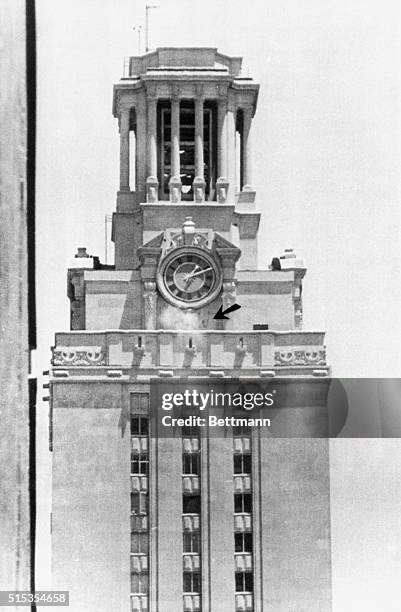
<point x="326" y="170"/>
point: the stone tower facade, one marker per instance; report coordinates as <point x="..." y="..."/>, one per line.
<point x="192" y="522"/>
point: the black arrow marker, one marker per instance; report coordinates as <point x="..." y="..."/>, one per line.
<point x="221" y="314"/>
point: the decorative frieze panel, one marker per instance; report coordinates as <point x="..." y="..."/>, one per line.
<point x="245" y="351"/>
<point x="300" y="358"/>
<point x="79" y="356"/>
<point x="198" y="239"/>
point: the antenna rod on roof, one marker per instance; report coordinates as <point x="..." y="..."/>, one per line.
<point x="138" y="29"/>
<point x="148" y="7"/>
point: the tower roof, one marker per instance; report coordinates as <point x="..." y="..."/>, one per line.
<point x="186" y="65"/>
<point x="194" y="59"/>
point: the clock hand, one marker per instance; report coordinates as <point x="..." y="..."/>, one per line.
<point x="198" y="273"/>
<point x="188" y="275"/>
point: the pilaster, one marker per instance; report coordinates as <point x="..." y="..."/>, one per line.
<point x="150" y="304"/>
<point x="124" y="149"/>
<point x="247" y="148"/>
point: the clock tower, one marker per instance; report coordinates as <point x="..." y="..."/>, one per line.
<point x="143" y="522"/>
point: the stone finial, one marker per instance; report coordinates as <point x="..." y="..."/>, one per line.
<point x="289" y="260"/>
<point x="288" y="254"/>
<point x="188" y="227"/>
<point x="81" y="252"/>
<point x="188" y="230"/>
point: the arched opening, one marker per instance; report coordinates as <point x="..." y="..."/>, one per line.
<point x="187" y="148"/>
<point x="133" y="154"/>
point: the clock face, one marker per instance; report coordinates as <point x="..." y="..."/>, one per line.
<point x="189" y="278"/>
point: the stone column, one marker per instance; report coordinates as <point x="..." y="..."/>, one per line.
<point x="231" y="145"/>
<point x="152" y="182"/>
<point x="222" y="138"/>
<point x="175" y="179"/>
<point x="141" y="137"/>
<point x="199" y="180"/>
<point x="222" y="181"/>
<point x="124" y="149"/>
<point x="246" y="148"/>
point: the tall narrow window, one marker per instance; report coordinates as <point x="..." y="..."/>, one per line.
<point x="243" y="582"/>
<point x="243" y="502"/>
<point x="243" y="542"/>
<point x="139" y="425"/>
<point x="190" y="463"/>
<point x="242" y="464"/>
<point x="132" y="150"/>
<point x="191" y="511"/>
<point x="243" y="536"/>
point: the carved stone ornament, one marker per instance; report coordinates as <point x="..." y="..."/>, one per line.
<point x="151" y="92"/>
<point x="150" y="303"/>
<point x="197" y="238"/>
<point x="222" y="90"/>
<point x="199" y="91"/>
<point x="297" y="299"/>
<point x="298" y="319"/>
<point x="300" y="358"/>
<point x="229" y="295"/>
<point x="149" y="288"/>
<point x="82" y="356"/>
<point x="175" y="91"/>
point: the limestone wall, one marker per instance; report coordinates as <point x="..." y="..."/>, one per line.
<point x="14" y="401"/>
